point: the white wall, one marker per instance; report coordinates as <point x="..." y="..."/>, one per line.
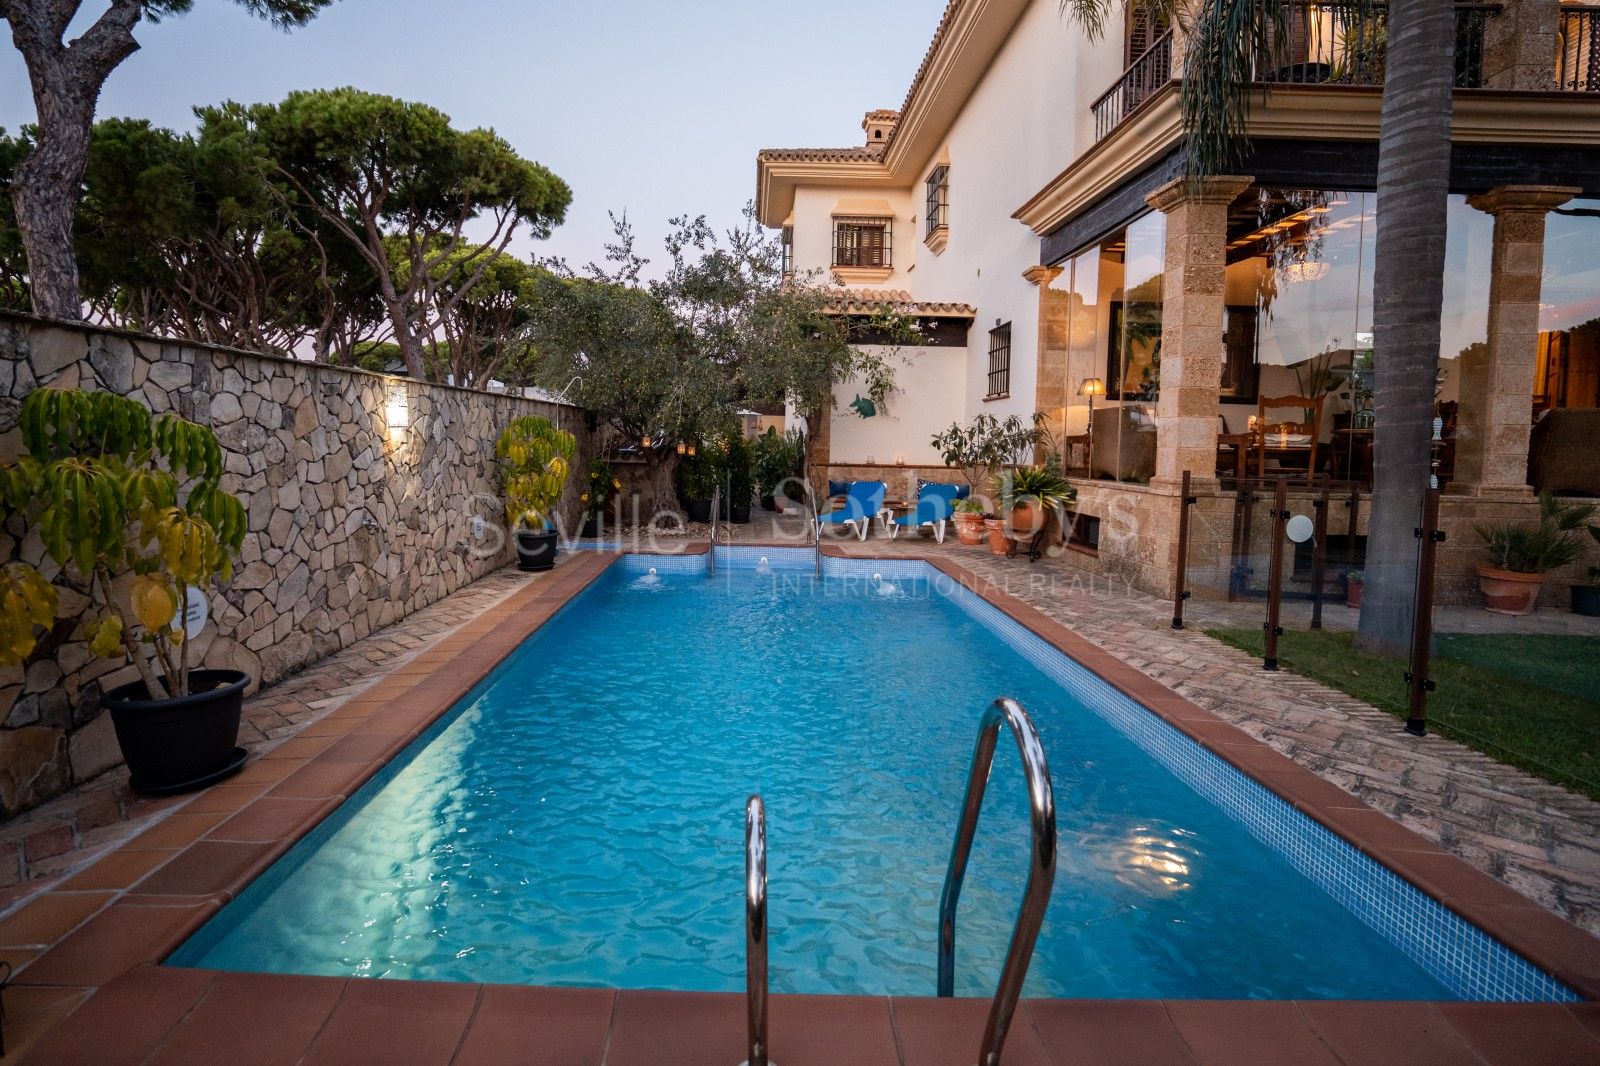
<point x="1026" y="121"/>
<point x="813" y="232"/>
<point x="926" y="399"/>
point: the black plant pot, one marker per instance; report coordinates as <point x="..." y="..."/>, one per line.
<point x="178" y="745"/>
<point x="535" y="551"/>
<point x="769" y="503"/>
<point x="739" y="513"/>
<point x="699" y="510"/>
<point x="594" y="527"/>
<point x="1586" y="600"/>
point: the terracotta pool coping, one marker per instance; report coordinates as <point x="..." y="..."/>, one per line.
<point x="97" y="936"/>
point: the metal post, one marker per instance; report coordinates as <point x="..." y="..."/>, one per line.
<point x="1355" y="520"/>
<point x="711" y="548"/>
<point x="1280" y="515"/>
<point x="1418" y="683"/>
<point x="1041" y="867"/>
<point x="1319" y="551"/>
<point x="755" y="930"/>
<point x="1180" y="591"/>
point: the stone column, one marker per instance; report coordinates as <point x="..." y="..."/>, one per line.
<point x="1192" y="316"/>
<point x="1519" y="45"/>
<point x="1496" y="395"/>
<point x="1050" y="383"/>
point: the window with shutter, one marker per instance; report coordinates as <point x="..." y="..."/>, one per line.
<point x="861" y="242"/>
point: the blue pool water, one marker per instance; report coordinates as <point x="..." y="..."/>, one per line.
<point x="578" y="821"/>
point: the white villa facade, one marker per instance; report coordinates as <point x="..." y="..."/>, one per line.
<point x="1024" y="203"/>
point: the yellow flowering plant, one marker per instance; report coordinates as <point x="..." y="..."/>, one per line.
<point x="535" y="459"/>
<point x="113" y="489"/>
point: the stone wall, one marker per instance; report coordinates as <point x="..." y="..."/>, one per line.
<point x="353" y="523"/>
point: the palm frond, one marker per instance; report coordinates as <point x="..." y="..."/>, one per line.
<point x="1229" y="42"/>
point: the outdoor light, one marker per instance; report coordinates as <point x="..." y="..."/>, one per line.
<point x="644" y="441"/>
<point x="691" y="451"/>
<point x="682" y="448"/>
<point x="397" y="411"/>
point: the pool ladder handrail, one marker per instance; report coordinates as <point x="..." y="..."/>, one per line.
<point x="755" y="930"/>
<point x="1041" y="867"/>
<point x="711" y="547"/>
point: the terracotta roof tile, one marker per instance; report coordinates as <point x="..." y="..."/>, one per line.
<point x="866" y="301"/>
<point x="867" y="153"/>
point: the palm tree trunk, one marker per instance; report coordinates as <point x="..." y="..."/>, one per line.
<point x="1408" y="294"/>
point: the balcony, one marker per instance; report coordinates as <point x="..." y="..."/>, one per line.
<point x="1578" y="49"/>
<point x="1320" y="43"/>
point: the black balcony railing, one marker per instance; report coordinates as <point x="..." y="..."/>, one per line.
<point x="1578" y="49"/>
<point x="1321" y="43"/>
<point x="1148" y="73"/>
<point x="1317" y="42"/>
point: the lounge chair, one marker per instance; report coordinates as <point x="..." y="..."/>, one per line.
<point x="863" y="501"/>
<point x="935" y="506"/>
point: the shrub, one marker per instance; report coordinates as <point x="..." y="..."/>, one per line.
<point x="1528" y="548"/>
<point x="535" y="460"/>
<point x="111" y="488"/>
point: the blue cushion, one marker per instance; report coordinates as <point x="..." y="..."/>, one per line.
<point x="962" y="491"/>
<point x="838" y="488"/>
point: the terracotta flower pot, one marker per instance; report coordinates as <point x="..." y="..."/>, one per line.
<point x="1508" y="592"/>
<point x="969" y="527"/>
<point x="999" y="536"/>
<point x="1352" y="592"/>
<point x="1027" y="519"/>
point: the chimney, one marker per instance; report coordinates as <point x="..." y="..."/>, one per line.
<point x="879" y="126"/>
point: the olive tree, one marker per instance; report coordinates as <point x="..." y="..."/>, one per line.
<point x="66" y="77"/>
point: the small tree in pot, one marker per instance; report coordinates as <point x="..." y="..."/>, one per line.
<point x="980" y="450"/>
<point x="535" y="459"/>
<point x="129" y="505"/>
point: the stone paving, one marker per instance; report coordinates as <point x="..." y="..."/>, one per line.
<point x="1540" y="839"/>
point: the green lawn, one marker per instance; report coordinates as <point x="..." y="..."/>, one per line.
<point x="1532" y="701"/>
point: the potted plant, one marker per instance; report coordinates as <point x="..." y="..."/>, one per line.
<point x="1586" y="598"/>
<point x="534" y="464"/>
<point x="770" y="466"/>
<point x="602" y="488"/>
<point x="698" y="476"/>
<point x="739" y="483"/>
<point x="1354" y="582"/>
<point x="1521" y="553"/>
<point x="129" y="505"/>
<point x="1034" y="493"/>
<point x="981" y="449"/>
<point x="968" y="518"/>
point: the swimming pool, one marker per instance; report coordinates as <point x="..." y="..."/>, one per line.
<point x="577" y="819"/>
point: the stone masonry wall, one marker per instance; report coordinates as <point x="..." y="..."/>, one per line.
<point x="352" y="524"/>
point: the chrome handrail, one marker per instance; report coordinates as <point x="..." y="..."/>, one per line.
<point x="711" y="548"/>
<point x="1041" y="867"/>
<point x="755" y="929"/>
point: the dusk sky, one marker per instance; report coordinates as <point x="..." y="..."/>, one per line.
<point x="653" y="108"/>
